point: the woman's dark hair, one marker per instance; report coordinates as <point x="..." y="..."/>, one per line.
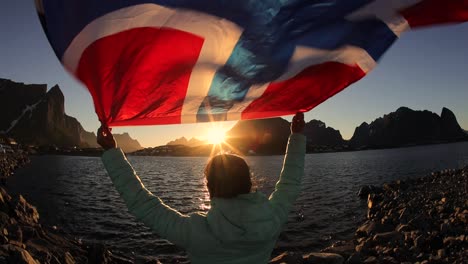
<point x="227" y="176"/>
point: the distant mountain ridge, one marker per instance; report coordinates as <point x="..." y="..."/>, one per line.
<point x="404" y="127"/>
<point x="261" y="136"/>
<point x="193" y="142"/>
<point x="33" y="115"/>
<point x="408" y="127"/>
<point x="270" y="136"/>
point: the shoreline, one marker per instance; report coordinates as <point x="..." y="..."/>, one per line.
<point x="98" y="152"/>
<point x="387" y="235"/>
<point x="24" y="239"/>
<point x="421" y="220"/>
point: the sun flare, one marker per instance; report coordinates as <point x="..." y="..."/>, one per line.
<point x="216" y="135"/>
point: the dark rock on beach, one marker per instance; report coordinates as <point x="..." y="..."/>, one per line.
<point x="10" y="162"/>
<point x="417" y="220"/>
<point x="422" y="220"/>
<point x="311" y="258"/>
<point x="24" y="240"/>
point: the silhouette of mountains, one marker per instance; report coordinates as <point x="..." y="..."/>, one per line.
<point x="261" y="136"/>
<point x="270" y="136"/>
<point x="33" y="115"/>
<point x="408" y="127"/>
<point x="193" y="142"/>
<point x="404" y="127"/>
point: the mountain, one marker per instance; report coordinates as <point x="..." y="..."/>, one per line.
<point x="127" y="143"/>
<point x="261" y="136"/>
<point x="450" y="129"/>
<point x="33" y="115"/>
<point x="124" y="141"/>
<point x="321" y="137"/>
<point x="270" y="136"/>
<point x="408" y="127"/>
<point x="193" y="142"/>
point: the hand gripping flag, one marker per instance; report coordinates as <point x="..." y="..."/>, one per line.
<point x="183" y="61"/>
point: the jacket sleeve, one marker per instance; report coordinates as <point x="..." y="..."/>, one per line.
<point x="147" y="208"/>
<point x="289" y="185"/>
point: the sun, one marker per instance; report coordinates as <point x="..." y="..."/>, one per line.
<point x="216" y="135"/>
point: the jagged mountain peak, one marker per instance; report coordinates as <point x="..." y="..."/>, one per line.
<point x="193" y="142"/>
<point x="36" y="116"/>
<point x="406" y="126"/>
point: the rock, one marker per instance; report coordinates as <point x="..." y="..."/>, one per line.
<point x="68" y="258"/>
<point x="17" y="244"/>
<point x="20" y="256"/>
<point x="441" y="253"/>
<point x="343" y="249"/>
<point x="147" y="260"/>
<point x="404" y="213"/>
<point x="389" y="260"/>
<point x="288" y="257"/>
<point x="383" y="238"/>
<point x="323" y="258"/>
<point x="367" y="229"/>
<point x="24" y="211"/>
<point x="98" y="253"/>
<point x="15" y="232"/>
<point x="435" y="242"/>
<point x="403" y="228"/>
<point x="4" y="220"/>
<point x="444" y="228"/>
<point x="370" y="228"/>
<point x="373" y="199"/>
<point x="463" y="216"/>
<point x="418" y="242"/>
<point x="365" y="190"/>
<point x="354" y="259"/>
<point x="363" y="246"/>
<point x="370" y="260"/>
<point x="4" y="208"/>
<point x="29" y="233"/>
<point x="3" y="240"/>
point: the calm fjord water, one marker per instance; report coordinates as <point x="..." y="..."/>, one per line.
<point x="76" y="195"/>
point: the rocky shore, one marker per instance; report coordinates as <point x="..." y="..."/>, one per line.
<point x="24" y="240"/>
<point x="11" y="161"/>
<point x="422" y="220"/>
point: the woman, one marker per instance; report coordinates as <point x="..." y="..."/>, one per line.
<point x="240" y="227"/>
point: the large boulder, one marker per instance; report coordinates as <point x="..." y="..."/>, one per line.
<point x="323" y="258"/>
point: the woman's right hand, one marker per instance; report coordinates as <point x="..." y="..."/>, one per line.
<point x="298" y="124"/>
<point x="105" y="138"/>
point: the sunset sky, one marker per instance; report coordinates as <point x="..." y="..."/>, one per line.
<point x="426" y="69"/>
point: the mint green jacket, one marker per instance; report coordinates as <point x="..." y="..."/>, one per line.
<point x="243" y="229"/>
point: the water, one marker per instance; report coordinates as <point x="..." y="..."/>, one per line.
<point x="76" y="195"/>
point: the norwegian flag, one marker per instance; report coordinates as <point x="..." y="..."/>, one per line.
<point x="171" y="62"/>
